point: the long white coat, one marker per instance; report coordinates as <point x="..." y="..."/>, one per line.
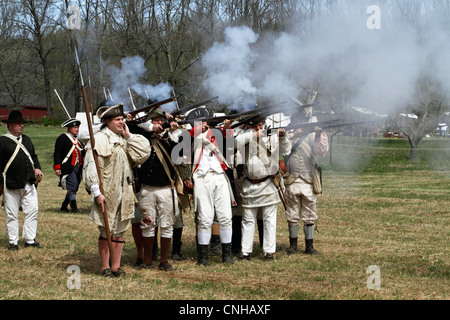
<point x="116" y="158"/>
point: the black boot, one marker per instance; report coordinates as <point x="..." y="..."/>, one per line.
<point x="236" y="236"/>
<point x="309" y="249"/>
<point x="73" y="206"/>
<point x="227" y="255"/>
<point x="176" y="245"/>
<point x="65" y="204"/>
<point x="215" y="249"/>
<point x="202" y="255"/>
<point x="293" y="246"/>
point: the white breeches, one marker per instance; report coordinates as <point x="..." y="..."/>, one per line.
<point x="26" y="199"/>
<point x="213" y="198"/>
<point x="157" y="203"/>
<point x="269" y="216"/>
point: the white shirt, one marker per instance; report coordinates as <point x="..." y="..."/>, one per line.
<point x="208" y="162"/>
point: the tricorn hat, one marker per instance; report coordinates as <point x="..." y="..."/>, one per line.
<point x="15" y="116"/>
<point x="158" y="112"/>
<point x="200" y="112"/>
<point x="106" y="112"/>
<point x="72" y="122"/>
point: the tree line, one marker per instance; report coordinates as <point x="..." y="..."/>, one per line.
<point x="170" y="35"/>
<point x="39" y="38"/>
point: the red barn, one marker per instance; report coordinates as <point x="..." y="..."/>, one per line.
<point x="30" y="113"/>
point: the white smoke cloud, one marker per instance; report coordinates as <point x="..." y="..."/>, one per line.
<point x="335" y="53"/>
<point x="229" y="68"/>
<point x="129" y="75"/>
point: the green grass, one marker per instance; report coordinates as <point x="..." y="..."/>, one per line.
<point x="378" y="208"/>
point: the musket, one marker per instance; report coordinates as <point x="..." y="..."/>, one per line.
<point x="263" y="111"/>
<point x="90" y="90"/>
<point x="183" y="110"/>
<point x="151" y="108"/>
<point x="94" y="152"/>
<point x="244" y="121"/>
<point x="309" y="126"/>
<point x="209" y="120"/>
<point x="176" y="101"/>
<point x="110" y="95"/>
<point x="131" y="98"/>
<point x="62" y="103"/>
<point x="215" y="120"/>
<point x="266" y="111"/>
<point x="277" y="183"/>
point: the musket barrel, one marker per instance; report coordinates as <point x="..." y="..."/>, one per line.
<point x="329" y="124"/>
<point x="183" y="110"/>
<point x="62" y="103"/>
<point x="92" y="140"/>
<point x="153" y="106"/>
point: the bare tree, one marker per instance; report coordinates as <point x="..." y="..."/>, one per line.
<point x="12" y="56"/>
<point x="36" y="21"/>
<point x="429" y="106"/>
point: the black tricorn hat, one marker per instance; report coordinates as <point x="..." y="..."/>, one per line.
<point x="106" y="112"/>
<point x="71" y="123"/>
<point x="15" y="116"/>
<point x="200" y="112"/>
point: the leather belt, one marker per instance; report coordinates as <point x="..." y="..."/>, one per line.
<point x="256" y="181"/>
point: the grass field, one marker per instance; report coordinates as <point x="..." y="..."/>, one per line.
<point x="378" y="209"/>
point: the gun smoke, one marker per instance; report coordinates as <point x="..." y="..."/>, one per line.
<point x="129" y="75"/>
<point x="336" y="54"/>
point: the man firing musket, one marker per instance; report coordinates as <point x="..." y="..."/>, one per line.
<point x="160" y="202"/>
<point x="262" y="188"/>
<point x="302" y="179"/>
<point x="240" y="118"/>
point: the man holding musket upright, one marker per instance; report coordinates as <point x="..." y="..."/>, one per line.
<point x="117" y="152"/>
<point x="68" y="163"/>
<point x="21" y="173"/>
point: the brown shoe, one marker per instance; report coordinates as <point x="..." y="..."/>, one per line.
<point x="268" y="257"/>
<point x="165" y="267"/>
<point x="146" y="266"/>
